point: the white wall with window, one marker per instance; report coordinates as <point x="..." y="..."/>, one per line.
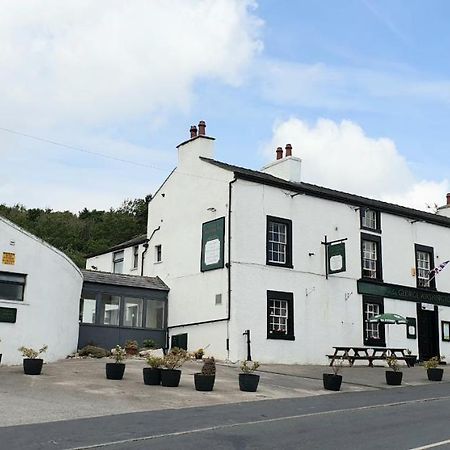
<point x="39" y="290"/>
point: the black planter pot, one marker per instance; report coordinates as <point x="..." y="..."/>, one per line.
<point x="204" y="382"/>
<point x="332" y="382"/>
<point x="115" y="371"/>
<point x="410" y="360"/>
<point x="170" y="377"/>
<point x="248" y="382"/>
<point x="394" y="378"/>
<point x="152" y="377"/>
<point x="0" y="357"/>
<point x="435" y="374"/>
<point x="32" y="366"/>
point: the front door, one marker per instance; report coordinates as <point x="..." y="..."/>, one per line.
<point x="428" y="332"/>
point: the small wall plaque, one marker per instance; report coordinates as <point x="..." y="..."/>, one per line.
<point x="9" y="258"/>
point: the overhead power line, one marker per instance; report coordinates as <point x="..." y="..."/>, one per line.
<point x="79" y="149"/>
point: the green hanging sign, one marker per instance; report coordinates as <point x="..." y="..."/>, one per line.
<point x="213" y="236"/>
<point x="336" y="258"/>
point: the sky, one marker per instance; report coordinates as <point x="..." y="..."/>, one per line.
<point x="361" y="89"/>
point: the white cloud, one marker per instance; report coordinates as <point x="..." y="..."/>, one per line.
<point x="336" y="87"/>
<point x="343" y="157"/>
<point x="111" y="59"/>
<point x="84" y="72"/>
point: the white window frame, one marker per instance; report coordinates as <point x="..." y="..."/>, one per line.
<point x="423" y="268"/>
<point x="369" y="258"/>
<point x="369" y="219"/>
<point x="118" y="259"/>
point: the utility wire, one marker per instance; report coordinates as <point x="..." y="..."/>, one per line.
<point x="60" y="144"/>
<point x="103" y="155"/>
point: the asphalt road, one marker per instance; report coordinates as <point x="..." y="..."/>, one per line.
<point x="403" y="418"/>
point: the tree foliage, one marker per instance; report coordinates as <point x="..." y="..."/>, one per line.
<point x="78" y="235"/>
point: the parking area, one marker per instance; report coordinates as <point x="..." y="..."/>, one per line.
<point x="77" y="388"/>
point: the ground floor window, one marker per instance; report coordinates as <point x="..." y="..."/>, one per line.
<point x="373" y="332"/>
<point x="88" y="306"/>
<point x="109" y="309"/>
<point x="280" y="315"/>
<point x="155" y="314"/>
<point x="100" y="308"/>
<point x="12" y="286"/>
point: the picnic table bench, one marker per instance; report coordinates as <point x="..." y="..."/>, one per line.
<point x="370" y="354"/>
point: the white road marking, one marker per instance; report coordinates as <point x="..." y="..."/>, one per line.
<point x="436" y="444"/>
<point x="257" y="422"/>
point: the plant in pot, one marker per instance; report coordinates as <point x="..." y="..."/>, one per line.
<point x="152" y="374"/>
<point x="410" y="359"/>
<point x="32" y="365"/>
<point x="170" y="375"/>
<point x="333" y="381"/>
<point x="116" y="369"/>
<point x="131" y="347"/>
<point x="394" y="376"/>
<point x="199" y="353"/>
<point x="434" y="372"/>
<point x="248" y="381"/>
<point x="204" y="381"/>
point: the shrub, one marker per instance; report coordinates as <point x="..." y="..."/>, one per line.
<point x="149" y="343"/>
<point x="31" y="353"/>
<point x="155" y="361"/>
<point x="337" y="365"/>
<point x="118" y="354"/>
<point x="433" y="362"/>
<point x="209" y="366"/>
<point x="198" y="354"/>
<point x="393" y="363"/>
<point x="131" y="347"/>
<point x="247" y="368"/>
<point x="93" y="351"/>
<point x="175" y="358"/>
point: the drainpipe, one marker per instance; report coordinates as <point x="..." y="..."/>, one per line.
<point x="146" y="245"/>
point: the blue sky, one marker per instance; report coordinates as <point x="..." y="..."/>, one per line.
<point x="359" y="84"/>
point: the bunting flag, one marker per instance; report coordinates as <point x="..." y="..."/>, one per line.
<point x="433" y="272"/>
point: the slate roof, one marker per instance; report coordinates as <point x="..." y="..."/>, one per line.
<point x="134" y="241"/>
<point x="331" y="194"/>
<point x="119" y="279"/>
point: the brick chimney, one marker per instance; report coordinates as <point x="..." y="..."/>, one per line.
<point x="196" y="146"/>
<point x="287" y="168"/>
<point x="445" y="210"/>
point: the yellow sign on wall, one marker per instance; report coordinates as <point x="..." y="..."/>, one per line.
<point x="9" y="258"/>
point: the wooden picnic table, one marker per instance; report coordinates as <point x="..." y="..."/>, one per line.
<point x="370" y="354"/>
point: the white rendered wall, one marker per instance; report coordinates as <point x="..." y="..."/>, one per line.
<point x="196" y="192"/>
<point x="49" y="312"/>
<point x="104" y="262"/>
<point x="327" y="312"/>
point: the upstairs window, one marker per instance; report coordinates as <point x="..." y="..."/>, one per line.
<point x="158" y="253"/>
<point x="370" y="220"/>
<point x="371" y="257"/>
<point x="135" y="256"/>
<point x="279" y="242"/>
<point x="118" y="262"/>
<point x="12" y="286"/>
<point x="424" y="263"/>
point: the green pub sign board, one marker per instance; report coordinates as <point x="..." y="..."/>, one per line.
<point x="405" y="293"/>
<point x="8" y="315"/>
<point x="336" y="258"/>
<point x="213" y="236"/>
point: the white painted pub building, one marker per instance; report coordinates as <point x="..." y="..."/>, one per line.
<point x="301" y="266"/>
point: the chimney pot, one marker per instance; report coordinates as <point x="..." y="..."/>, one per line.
<point x="288" y="150"/>
<point x="193" y="131"/>
<point x="279" y="153"/>
<point x="201" y="128"/>
<point x="448" y="199"/>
